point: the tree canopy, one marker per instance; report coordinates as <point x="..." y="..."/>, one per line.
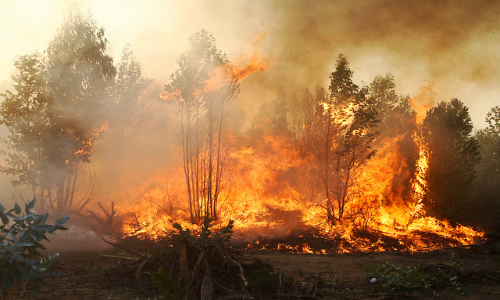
<point x="57" y="110"/>
<point x="452" y="155"/>
<point x="203" y="88"/>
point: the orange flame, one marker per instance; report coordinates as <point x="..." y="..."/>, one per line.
<point x="273" y="193"/>
<point x="423" y="101"/>
<point x="246" y="65"/>
<point x="269" y="199"/>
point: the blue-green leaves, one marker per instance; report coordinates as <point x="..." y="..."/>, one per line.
<point x="20" y="241"/>
<point x="3" y="216"/>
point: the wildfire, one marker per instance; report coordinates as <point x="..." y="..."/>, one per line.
<point x="424" y="100"/>
<point x="249" y="64"/>
<point x="222" y="77"/>
<point x="243" y="66"/>
<point x="250" y="60"/>
<point x="267" y="200"/>
<point x="419" y="182"/>
<point x="343" y="116"/>
<point x="272" y="195"/>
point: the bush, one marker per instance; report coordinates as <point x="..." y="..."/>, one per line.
<point x="194" y="265"/>
<point x="19" y="245"/>
<point x="424" y="278"/>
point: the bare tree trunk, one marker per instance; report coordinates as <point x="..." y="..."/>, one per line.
<point x="73" y="187"/>
<point x="67" y="191"/>
<point x="60" y="194"/>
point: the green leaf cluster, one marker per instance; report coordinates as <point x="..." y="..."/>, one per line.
<point x="167" y="286"/>
<point x="224" y="235"/>
<point x="21" y="235"/>
<point x="424" y="278"/>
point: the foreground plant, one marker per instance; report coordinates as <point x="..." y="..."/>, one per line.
<point x="198" y="265"/>
<point x="20" y="242"/>
<point x="424" y="278"/>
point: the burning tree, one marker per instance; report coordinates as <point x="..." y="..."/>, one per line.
<point x="341" y="138"/>
<point x="397" y="127"/>
<point x="304" y="115"/>
<point x="57" y="111"/>
<point x="452" y="155"/>
<point x="203" y="88"/>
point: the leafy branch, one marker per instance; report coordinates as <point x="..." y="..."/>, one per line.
<point x="20" y="242"/>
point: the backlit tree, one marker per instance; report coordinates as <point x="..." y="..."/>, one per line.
<point x="56" y="112"/>
<point x="203" y="88"/>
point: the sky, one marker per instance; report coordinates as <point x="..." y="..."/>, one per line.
<point x="451" y="48"/>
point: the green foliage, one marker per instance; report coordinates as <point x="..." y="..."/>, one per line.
<point x="95" y="270"/>
<point x="452" y="155"/>
<point x="263" y="280"/>
<point x="487" y="183"/>
<point x="20" y="239"/>
<point x="167" y="287"/>
<point x="206" y="237"/>
<point x="56" y="111"/>
<point x="22" y="112"/>
<point x="424" y="278"/>
<point x="330" y="283"/>
<point x="205" y="263"/>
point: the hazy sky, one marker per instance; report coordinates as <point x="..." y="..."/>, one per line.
<point x="451" y="46"/>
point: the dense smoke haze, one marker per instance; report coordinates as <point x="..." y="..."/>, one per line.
<point x="282" y="56"/>
<point x="449" y="45"/>
<point x="206" y="127"/>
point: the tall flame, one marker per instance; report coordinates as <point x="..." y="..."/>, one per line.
<point x="273" y="195"/>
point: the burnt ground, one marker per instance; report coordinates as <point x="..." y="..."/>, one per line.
<point x="109" y="273"/>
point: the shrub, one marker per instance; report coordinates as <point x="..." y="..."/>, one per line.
<point x="20" y="239"/>
<point x="424" y="278"/>
<point x="196" y="265"/>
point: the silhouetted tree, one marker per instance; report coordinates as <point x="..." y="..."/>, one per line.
<point x="452" y="155"/>
<point x="487" y="183"/>
<point x="303" y="116"/>
<point x="203" y="88"/>
<point x="24" y="112"/>
<point x="394" y="112"/>
<point x="272" y="117"/>
<point x="129" y="85"/>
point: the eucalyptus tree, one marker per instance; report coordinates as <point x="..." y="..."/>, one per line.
<point x="56" y="112"/>
<point x="203" y="88"/>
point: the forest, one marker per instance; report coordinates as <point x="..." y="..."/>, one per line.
<point x="184" y="169"/>
<point x="342" y="155"/>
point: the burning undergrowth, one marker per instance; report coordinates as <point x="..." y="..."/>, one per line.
<point x="276" y="208"/>
<point x="426" y="234"/>
<point x="339" y="169"/>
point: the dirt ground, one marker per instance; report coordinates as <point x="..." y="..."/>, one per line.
<point x="104" y="274"/>
<point x="351" y="270"/>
